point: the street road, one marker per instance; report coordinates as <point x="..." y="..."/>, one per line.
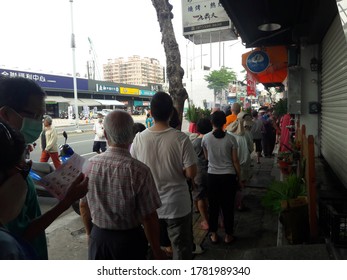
<point x="81" y="143"/>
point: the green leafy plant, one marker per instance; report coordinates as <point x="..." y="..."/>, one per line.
<point x="280" y="107"/>
<point x="285" y="156"/>
<point x="292" y="187"/>
<point x="204" y="113"/>
<point x="194" y="113"/>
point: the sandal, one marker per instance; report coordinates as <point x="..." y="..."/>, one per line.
<point x="229" y="239"/>
<point x="213" y="241"/>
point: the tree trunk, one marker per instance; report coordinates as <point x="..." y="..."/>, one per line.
<point x="214" y="97"/>
<point x="174" y="71"/>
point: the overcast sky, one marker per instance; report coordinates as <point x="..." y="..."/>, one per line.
<point x="36" y="34"/>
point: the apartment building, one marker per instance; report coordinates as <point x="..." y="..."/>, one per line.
<point x="134" y="71"/>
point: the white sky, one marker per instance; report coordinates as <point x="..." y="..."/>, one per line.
<point x="36" y="35"/>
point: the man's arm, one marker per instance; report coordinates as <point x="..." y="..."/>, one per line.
<point x="191" y="171"/>
<point x="205" y="153"/>
<point x="151" y="226"/>
<point x="86" y="216"/>
<point x="51" y="138"/>
<point x="77" y="190"/>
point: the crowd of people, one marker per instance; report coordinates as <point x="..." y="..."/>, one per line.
<point x="137" y="195"/>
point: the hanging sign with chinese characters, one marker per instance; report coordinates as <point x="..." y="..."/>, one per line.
<point x="251" y="85"/>
<point x="206" y="18"/>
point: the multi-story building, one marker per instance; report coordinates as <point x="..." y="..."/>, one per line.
<point x="135" y="70"/>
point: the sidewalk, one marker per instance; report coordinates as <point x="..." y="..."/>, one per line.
<point x="257" y="229"/>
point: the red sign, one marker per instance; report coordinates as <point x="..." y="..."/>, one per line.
<point x="251" y="85"/>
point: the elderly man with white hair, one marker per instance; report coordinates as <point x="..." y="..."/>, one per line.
<point x="122" y="197"/>
<point x="49" y="142"/>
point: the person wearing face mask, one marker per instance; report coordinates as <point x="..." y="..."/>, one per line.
<point x="12" y="193"/>
<point x="99" y="144"/>
<point x="22" y="106"/>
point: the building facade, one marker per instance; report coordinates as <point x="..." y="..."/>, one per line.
<point x="134" y="70"/>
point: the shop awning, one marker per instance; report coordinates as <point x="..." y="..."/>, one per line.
<point x="90" y="102"/>
<point x="71" y="102"/>
<point x="55" y="99"/>
<point x="110" y="102"/>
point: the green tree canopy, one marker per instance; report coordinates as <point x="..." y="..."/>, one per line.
<point x="220" y="79"/>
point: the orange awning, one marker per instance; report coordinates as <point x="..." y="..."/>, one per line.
<point x="276" y="72"/>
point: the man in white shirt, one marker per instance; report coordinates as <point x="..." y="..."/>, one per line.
<point x="171" y="157"/>
<point x="99" y="144"/>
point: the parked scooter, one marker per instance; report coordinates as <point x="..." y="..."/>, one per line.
<point x="41" y="169"/>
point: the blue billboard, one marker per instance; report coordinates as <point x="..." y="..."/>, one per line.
<point x="46" y="80"/>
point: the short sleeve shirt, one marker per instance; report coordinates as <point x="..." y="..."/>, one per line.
<point x="219" y="152"/>
<point x="167" y="153"/>
<point x="121" y="190"/>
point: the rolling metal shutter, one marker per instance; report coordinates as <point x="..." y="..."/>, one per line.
<point x="334" y="100"/>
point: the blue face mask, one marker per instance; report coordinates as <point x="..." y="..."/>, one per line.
<point x="31" y="129"/>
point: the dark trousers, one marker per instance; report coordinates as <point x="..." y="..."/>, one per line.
<point x="221" y="196"/>
<point x="107" y="244"/>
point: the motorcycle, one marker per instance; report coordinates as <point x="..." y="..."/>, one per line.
<point x="41" y="169"/>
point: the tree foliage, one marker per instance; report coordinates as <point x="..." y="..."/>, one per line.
<point x="218" y="80"/>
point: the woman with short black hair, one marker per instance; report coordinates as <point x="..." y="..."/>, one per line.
<point x="220" y="150"/>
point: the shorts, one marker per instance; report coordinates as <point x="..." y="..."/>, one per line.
<point x="258" y="146"/>
<point x="99" y="145"/>
<point x="200" y="192"/>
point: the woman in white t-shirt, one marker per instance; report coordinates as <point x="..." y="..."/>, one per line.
<point x="220" y="150"/>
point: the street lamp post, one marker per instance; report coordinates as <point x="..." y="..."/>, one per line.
<point x="73" y="48"/>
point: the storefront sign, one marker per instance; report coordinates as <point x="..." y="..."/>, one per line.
<point x="46" y="80"/>
<point x="251" y="85"/>
<point x="147" y="92"/>
<point x="132" y="91"/>
<point x="106" y="88"/>
<point x="257" y="61"/>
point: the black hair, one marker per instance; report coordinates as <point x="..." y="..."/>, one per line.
<point x="16" y="92"/>
<point x="227" y="110"/>
<point x="138" y="127"/>
<point x="218" y="119"/>
<point x="255" y="114"/>
<point x="161" y="106"/>
<point x="13" y="146"/>
<point x="174" y="120"/>
<point x="204" y="125"/>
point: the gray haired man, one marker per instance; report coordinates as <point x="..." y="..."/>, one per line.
<point x="122" y="196"/>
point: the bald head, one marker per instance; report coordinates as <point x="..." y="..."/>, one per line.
<point x="119" y="128"/>
<point x="236" y="108"/>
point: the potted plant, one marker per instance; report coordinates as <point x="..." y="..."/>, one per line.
<point x="288" y="199"/>
<point x="284" y="161"/>
<point x="193" y="114"/>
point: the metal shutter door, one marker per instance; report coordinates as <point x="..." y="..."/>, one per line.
<point x="334" y="100"/>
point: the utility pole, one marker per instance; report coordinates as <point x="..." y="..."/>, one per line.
<point x="73" y="48"/>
